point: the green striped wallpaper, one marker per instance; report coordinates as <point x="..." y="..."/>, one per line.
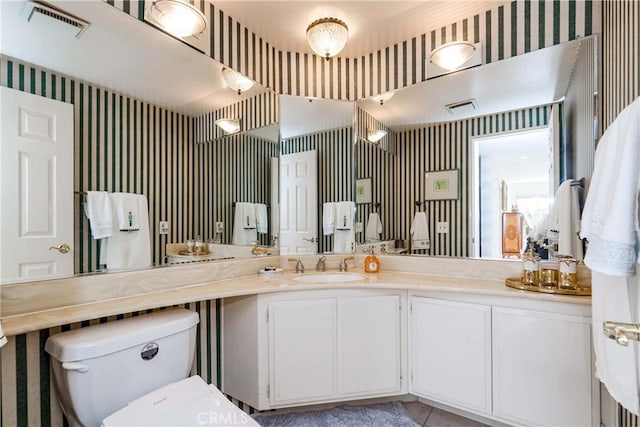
<point x="446" y="146"/>
<point x="620" y="85"/>
<point x="504" y="31"/>
<point x="335" y="177"/>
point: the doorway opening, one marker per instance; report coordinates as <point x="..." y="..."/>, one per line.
<point x="512" y="185"/>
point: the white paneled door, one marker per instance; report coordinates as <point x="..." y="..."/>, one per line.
<point x="298" y="203"/>
<point x="36" y="150"/>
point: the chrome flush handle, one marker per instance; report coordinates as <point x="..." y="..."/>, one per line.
<point x="63" y="248"/>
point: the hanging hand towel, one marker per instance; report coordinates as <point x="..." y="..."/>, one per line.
<point x="419" y="232"/>
<point x="127" y="211"/>
<point x="610" y="222"/>
<point x="242" y="234"/>
<point x="374" y="227"/>
<point x="328" y="218"/>
<point x="345" y="214"/>
<point x="344" y="241"/>
<point x="100" y="213"/>
<point x="262" y="221"/>
<point x="126" y="249"/>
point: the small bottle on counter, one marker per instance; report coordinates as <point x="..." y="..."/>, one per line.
<point x="530" y="267"/>
<point x="371" y="263"/>
<point x="568" y="277"/>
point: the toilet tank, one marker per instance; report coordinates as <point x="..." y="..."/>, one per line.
<point x="99" y="369"/>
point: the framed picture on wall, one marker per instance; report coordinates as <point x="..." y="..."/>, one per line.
<point x="363" y="190"/>
<point x="442" y="185"/>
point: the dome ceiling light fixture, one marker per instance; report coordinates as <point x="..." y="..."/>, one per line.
<point x="178" y="18"/>
<point x="228" y="125"/>
<point x="383" y="97"/>
<point x="236" y="81"/>
<point x="452" y="55"/>
<point x="327" y="36"/>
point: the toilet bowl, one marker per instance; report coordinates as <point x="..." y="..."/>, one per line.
<point x="129" y="370"/>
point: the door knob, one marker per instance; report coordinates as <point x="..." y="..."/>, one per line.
<point x="63" y="248"/>
<point x="312" y="240"/>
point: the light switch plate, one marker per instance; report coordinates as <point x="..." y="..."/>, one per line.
<point x="163" y="228"/>
<point x="442" y="227"/>
<point x="358" y="227"/>
<point x="219" y="226"/>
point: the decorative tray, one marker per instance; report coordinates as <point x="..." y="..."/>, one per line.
<point x="186" y="252"/>
<point x="581" y="289"/>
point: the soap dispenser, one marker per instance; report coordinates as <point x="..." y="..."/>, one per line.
<point x="371" y="263"/>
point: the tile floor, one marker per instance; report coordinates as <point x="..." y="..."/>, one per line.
<point x="428" y="416"/>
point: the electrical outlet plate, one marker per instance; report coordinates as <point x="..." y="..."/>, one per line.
<point x="358" y="227"/>
<point x="442" y="227"/>
<point x="219" y="226"/>
<point x="163" y="227"/>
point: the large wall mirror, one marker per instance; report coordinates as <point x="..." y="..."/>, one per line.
<point x="497" y="139"/>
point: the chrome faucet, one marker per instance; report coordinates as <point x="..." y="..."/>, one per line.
<point x="299" y="265"/>
<point x="320" y="264"/>
<point x="343" y="263"/>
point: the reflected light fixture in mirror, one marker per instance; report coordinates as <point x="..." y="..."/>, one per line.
<point x="236" y="81"/>
<point x="383" y="97"/>
<point x="327" y="36"/>
<point x="178" y="18"/>
<point x="375" y="135"/>
<point x="228" y="125"/>
<point x="452" y="55"/>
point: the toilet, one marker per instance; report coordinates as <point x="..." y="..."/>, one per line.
<point x="133" y="372"/>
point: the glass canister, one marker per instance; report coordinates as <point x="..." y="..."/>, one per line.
<point x="548" y="274"/>
<point x="568" y="276"/>
<point x="530" y="267"/>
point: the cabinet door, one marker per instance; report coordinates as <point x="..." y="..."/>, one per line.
<point x="450" y="347"/>
<point x="302" y="350"/>
<point x="542" y="368"/>
<point x="369" y="345"/>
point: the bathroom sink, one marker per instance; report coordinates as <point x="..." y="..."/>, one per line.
<point x="329" y="277"/>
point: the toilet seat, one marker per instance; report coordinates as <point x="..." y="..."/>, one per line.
<point x="190" y="402"/>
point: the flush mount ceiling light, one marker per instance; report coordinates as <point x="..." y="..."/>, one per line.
<point x="375" y="135"/>
<point x="178" y="18"/>
<point x="383" y="97"/>
<point x="236" y="81"/>
<point x="452" y="55"/>
<point x="327" y="36"/>
<point x="228" y="125"/>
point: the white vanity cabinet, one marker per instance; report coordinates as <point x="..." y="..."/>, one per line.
<point x="542" y="368"/>
<point x="296" y="348"/>
<point x="450" y="352"/>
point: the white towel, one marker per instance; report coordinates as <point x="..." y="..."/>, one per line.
<point x="374" y="227"/>
<point x="564" y="217"/>
<point x="610" y="222"/>
<point x="328" y="218"/>
<point x="127" y="211"/>
<point x="262" y="220"/>
<point x="100" y="213"/>
<point x="344" y="241"/>
<point x="610" y="216"/>
<point x="345" y="214"/>
<point x="128" y="249"/>
<point x="420" y="232"/>
<point x="244" y="217"/>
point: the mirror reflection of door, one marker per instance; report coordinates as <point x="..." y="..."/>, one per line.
<point x="512" y="173"/>
<point x="298" y="213"/>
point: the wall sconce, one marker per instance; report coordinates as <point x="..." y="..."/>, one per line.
<point x="327" y="36"/>
<point x="236" y="81"/>
<point x="375" y="135"/>
<point x="383" y="97"/>
<point x="178" y="18"/>
<point x="228" y="125"/>
<point x="452" y="55"/>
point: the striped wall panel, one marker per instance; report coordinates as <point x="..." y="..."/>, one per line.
<point x="377" y="162"/>
<point x="335" y="166"/>
<point x="255" y="112"/>
<point x="620" y="85"/>
<point x="505" y="31"/>
<point x="233" y="169"/>
<point x="446" y="146"/>
<point x="121" y="144"/>
<point x="28" y="395"/>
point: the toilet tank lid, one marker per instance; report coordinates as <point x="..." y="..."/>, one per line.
<point x="106" y="338"/>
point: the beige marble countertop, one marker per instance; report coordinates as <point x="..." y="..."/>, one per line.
<point x="39" y="305"/>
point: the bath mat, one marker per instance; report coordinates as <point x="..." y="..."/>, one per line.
<point x="383" y="415"/>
